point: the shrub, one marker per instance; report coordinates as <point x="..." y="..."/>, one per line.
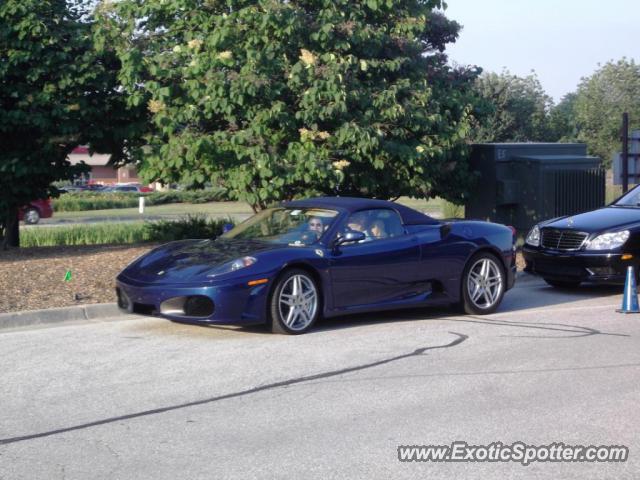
<point x="81" y="201"/>
<point x="451" y="210"/>
<point x="192" y="226"/>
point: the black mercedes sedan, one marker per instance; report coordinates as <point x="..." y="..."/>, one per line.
<point x="594" y="247"/>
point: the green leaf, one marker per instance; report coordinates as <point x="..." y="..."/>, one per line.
<point x="280" y="100"/>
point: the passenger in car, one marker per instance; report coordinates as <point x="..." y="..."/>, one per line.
<point x="377" y="230"/>
<point x="357" y="222"/>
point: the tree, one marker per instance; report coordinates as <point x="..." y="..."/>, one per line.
<point x="278" y="99"/>
<point x="601" y="100"/>
<point x="56" y="93"/>
<point x="512" y="109"/>
<point x="563" y="119"/>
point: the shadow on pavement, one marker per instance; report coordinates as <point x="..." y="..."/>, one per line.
<point x="532" y="296"/>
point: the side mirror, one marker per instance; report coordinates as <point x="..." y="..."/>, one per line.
<point x="350" y="237"/>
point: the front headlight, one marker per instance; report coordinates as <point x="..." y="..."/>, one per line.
<point x="608" y="241"/>
<point x="232" y="266"/>
<point x="533" y="238"/>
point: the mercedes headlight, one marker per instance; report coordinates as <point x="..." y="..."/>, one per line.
<point x="609" y="241"/>
<point x="232" y="266"/>
<point x="533" y="238"/>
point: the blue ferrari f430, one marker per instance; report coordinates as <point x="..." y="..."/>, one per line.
<point x="287" y="266"/>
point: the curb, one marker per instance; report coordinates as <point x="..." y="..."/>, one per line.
<point x="81" y="313"/>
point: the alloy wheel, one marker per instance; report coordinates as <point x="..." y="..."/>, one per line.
<point x="31" y="216"/>
<point x="484" y="283"/>
<point x="298" y="302"/>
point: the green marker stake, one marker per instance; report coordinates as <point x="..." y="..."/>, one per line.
<point x="67" y="276"/>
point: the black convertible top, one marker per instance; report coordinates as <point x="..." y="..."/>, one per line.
<point x="353" y="204"/>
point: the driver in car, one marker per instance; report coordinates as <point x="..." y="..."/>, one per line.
<point x="315" y="226"/>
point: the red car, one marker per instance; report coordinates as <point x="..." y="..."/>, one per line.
<point x="36" y="210"/>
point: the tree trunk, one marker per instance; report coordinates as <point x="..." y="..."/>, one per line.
<point x="11" y="230"/>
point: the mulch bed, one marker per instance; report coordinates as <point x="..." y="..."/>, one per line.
<point x="34" y="278"/>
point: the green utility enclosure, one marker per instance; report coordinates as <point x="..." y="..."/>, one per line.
<point x="521" y="184"/>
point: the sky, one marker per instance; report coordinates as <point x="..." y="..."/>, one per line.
<point x="562" y="40"/>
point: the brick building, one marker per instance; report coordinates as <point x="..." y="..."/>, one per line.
<point x="101" y="172"/>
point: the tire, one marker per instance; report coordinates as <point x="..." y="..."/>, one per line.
<point x="31" y="216"/>
<point x="562" y="284"/>
<point x="294" y="305"/>
<point x="483" y="284"/>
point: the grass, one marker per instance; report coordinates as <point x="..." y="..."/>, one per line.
<point x="612" y="192"/>
<point x="433" y="206"/>
<point x="155" y="223"/>
<point x="451" y="210"/>
<point x="193" y="226"/>
<point x="94" y="234"/>
<point x="203" y="221"/>
<point x="211" y="210"/>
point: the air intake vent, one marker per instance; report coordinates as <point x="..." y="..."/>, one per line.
<point x="565" y="240"/>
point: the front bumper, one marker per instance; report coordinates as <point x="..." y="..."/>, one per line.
<point x="234" y="302"/>
<point x="604" y="268"/>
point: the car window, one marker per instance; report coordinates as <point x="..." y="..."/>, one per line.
<point x="376" y="224"/>
<point x="293" y="226"/>
<point x="631" y="199"/>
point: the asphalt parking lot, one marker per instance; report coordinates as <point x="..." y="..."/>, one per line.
<point x="147" y="398"/>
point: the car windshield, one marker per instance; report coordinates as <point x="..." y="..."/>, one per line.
<point x="631" y="199"/>
<point x="294" y="226"/>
